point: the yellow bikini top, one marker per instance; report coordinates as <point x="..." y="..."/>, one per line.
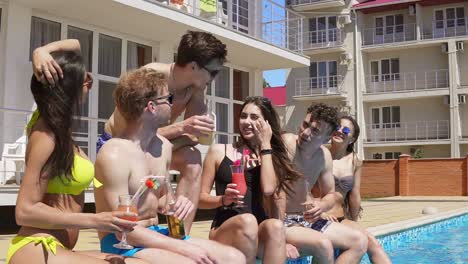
<point x="82" y="173"/>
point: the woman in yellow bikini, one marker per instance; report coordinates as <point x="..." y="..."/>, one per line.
<point x="51" y="198"/>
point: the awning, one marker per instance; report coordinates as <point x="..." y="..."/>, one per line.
<point x="378" y="3"/>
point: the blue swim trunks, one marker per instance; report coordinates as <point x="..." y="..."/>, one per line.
<point x="101" y="140"/>
<point x="107" y="243"/>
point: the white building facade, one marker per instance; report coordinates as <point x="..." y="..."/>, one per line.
<point x="399" y="67"/>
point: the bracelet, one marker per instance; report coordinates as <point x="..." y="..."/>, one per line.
<point x="222" y="200"/>
<point x="266" y="152"/>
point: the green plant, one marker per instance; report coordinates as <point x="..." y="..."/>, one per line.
<point x="418" y="154"/>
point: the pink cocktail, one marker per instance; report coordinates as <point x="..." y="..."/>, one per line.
<point x="238" y="178"/>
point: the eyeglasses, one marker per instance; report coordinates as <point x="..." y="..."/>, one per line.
<point x="169" y="98"/>
<point x="212" y="73"/>
<point x="344" y="129"/>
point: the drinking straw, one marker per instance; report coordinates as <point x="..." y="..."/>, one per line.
<point x="149" y="182"/>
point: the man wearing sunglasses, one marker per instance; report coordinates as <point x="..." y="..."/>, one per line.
<point x="306" y="231"/>
<point x="200" y="56"/>
<point x="123" y="164"/>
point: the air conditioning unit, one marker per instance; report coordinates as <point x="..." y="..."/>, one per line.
<point x="459" y="45"/>
<point x="444" y="47"/>
<point x="346" y="58"/>
<point x="412" y="10"/>
<point x="462" y="99"/>
<point x="446" y="99"/>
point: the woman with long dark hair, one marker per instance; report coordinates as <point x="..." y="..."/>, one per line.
<point x="251" y="228"/>
<point x="51" y="197"/>
<point x="347" y="169"/>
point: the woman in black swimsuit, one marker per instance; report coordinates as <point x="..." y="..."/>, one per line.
<point x="347" y="172"/>
<point x="252" y="229"/>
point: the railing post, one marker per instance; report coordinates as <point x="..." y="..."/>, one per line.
<point x="437" y="130"/>
<point x="437" y="80"/>
<point x="427" y="129"/>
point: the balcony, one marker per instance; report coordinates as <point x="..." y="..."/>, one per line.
<point x="331" y="86"/>
<point x="408" y="81"/>
<point x="307" y="5"/>
<point x="448" y="28"/>
<point x="323" y="39"/>
<point x="408" y="131"/>
<point x="238" y="15"/>
<point x="256" y="33"/>
<point x="388" y="35"/>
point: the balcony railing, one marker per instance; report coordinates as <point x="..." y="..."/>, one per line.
<point x="323" y="39"/>
<point x="408" y="81"/>
<point x="262" y="19"/>
<point x="308" y="2"/>
<point x="326" y="85"/>
<point x="281" y="26"/>
<point x="408" y="131"/>
<point x="389" y="34"/>
<point x="446" y="29"/>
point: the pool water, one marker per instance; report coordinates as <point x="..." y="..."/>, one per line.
<point x="441" y="242"/>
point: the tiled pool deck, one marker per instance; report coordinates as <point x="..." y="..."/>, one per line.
<point x="378" y="213"/>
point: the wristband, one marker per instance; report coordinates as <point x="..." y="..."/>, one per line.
<point x="266" y="152"/>
<point x="222" y="200"/>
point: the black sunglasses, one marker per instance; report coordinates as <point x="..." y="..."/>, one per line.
<point x="169" y="98"/>
<point x="212" y="73"/>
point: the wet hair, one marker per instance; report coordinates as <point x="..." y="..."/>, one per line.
<point x="200" y="47"/>
<point x="326" y="113"/>
<point x="284" y="168"/>
<point x="135" y="89"/>
<point x="57" y="105"/>
<point x="356" y="132"/>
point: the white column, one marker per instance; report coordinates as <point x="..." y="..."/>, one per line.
<point x="454" y="112"/>
<point x="419" y="21"/>
<point x="359" y="84"/>
<point x="164" y="53"/>
<point x="256" y="82"/>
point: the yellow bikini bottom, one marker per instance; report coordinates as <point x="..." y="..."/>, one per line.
<point x="48" y="243"/>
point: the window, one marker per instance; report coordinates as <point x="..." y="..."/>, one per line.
<point x="390" y="117"/>
<point x="85" y="37"/>
<point x="137" y="55"/>
<point x="105" y="102"/>
<point x="227" y="92"/>
<point x="322" y="29"/>
<point x="110" y="56"/>
<point x="323" y="74"/>
<point x="43" y="32"/>
<point x="392" y="155"/>
<point x="377" y="155"/>
<point x="389" y="24"/>
<point x="240" y="15"/>
<point x="449" y="17"/>
<point x="385" y="70"/>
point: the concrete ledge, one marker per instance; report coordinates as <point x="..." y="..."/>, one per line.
<point x="408" y="224"/>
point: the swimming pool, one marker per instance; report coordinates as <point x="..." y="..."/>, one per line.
<point x="445" y="241"/>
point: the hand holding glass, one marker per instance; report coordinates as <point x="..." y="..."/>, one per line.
<point x="238" y="178"/>
<point x="125" y="205"/>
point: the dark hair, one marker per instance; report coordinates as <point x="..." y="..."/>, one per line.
<point x="323" y="112"/>
<point x="200" y="47"/>
<point x="56" y="106"/>
<point x="284" y="168"/>
<point x="135" y="89"/>
<point x="357" y="131"/>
